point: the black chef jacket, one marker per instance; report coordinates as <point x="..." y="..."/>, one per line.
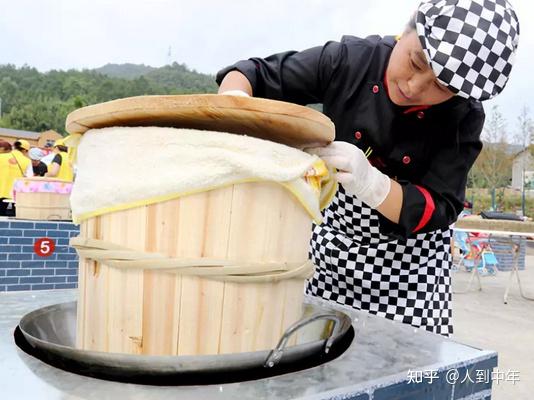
<point x="428" y="150"/>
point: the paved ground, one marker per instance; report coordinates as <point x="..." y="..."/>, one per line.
<point x="481" y="319"/>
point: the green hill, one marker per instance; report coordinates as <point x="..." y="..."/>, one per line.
<point x="125" y="71"/>
<point x="177" y="78"/>
<point x="36" y="101"/>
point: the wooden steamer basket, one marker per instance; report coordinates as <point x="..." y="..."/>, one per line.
<point x="43" y="205"/>
<point x="160" y="313"/>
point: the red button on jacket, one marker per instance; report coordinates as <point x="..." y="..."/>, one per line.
<point x="358" y="135"/>
<point x="406" y="160"/>
<point x="375" y="89"/>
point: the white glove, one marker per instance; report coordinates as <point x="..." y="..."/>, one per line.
<point x="357" y="176"/>
<point x="235" y="93"/>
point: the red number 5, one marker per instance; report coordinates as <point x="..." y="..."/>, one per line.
<point x="44" y="247"/>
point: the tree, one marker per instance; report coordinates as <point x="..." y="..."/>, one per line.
<point x="37" y="101"/>
<point x="39" y="116"/>
<point x="8" y="93"/>
<point x="492" y="168"/>
<point x="525" y="134"/>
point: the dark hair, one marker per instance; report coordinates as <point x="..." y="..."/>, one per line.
<point x="468" y="204"/>
<point x="5" y="145"/>
<point x="62" y="148"/>
<point x="18" y="146"/>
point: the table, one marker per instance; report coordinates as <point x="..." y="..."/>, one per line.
<point x="376" y="366"/>
<point x="504" y="228"/>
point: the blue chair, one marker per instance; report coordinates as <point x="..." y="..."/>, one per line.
<point x="476" y="256"/>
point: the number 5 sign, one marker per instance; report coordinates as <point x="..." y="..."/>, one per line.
<point x="44" y="247"/>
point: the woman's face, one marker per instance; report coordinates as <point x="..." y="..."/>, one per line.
<point x="410" y="79"/>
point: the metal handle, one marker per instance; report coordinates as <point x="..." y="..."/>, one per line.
<point x="275" y="355"/>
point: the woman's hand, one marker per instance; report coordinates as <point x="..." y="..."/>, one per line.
<point x="357" y="176"/>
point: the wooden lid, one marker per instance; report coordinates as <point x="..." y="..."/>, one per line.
<point x="273" y="120"/>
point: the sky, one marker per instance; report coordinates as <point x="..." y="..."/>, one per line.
<point x="207" y="35"/>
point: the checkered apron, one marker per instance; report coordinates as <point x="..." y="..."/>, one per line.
<point x="407" y="281"/>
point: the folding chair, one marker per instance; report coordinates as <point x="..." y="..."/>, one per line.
<point x="476" y="256"/>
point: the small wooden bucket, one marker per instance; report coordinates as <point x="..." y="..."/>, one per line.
<point x="47" y="200"/>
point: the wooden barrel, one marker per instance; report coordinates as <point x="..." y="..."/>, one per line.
<point x="161" y="313"/>
<point x="153" y="312"/>
<point x="40" y="198"/>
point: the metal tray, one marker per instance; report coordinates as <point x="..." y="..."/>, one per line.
<point x="49" y="334"/>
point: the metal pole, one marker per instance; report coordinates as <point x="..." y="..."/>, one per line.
<point x="523" y="202"/>
<point x="525" y="155"/>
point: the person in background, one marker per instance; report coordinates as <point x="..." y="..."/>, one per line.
<point x="21" y="147"/>
<point x="13" y="165"/>
<point x="5" y="147"/>
<point x="408" y="118"/>
<point x="60" y="167"/>
<point x="37" y="167"/>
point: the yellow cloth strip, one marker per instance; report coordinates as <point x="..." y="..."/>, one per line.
<point x="217" y="269"/>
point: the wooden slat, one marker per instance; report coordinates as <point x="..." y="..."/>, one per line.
<point x="204" y="223"/>
<point x="84" y="267"/>
<point x="93" y="286"/>
<point x="294" y="237"/>
<point x="161" y="303"/>
<point x="254" y="314"/>
<point x="125" y="297"/>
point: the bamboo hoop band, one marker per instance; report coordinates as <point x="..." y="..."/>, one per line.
<point x="216" y="269"/>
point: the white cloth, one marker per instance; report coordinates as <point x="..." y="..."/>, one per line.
<point x="120" y="166"/>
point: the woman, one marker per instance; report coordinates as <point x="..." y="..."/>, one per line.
<point x="408" y="121"/>
<point x="12" y="166"/>
<point x="37" y="167"/>
<point x="61" y="167"/>
<point x="5" y="147"/>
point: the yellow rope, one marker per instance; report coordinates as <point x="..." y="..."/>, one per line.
<point x="217" y="269"/>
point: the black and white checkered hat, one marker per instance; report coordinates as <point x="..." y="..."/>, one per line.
<point x="470" y="44"/>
